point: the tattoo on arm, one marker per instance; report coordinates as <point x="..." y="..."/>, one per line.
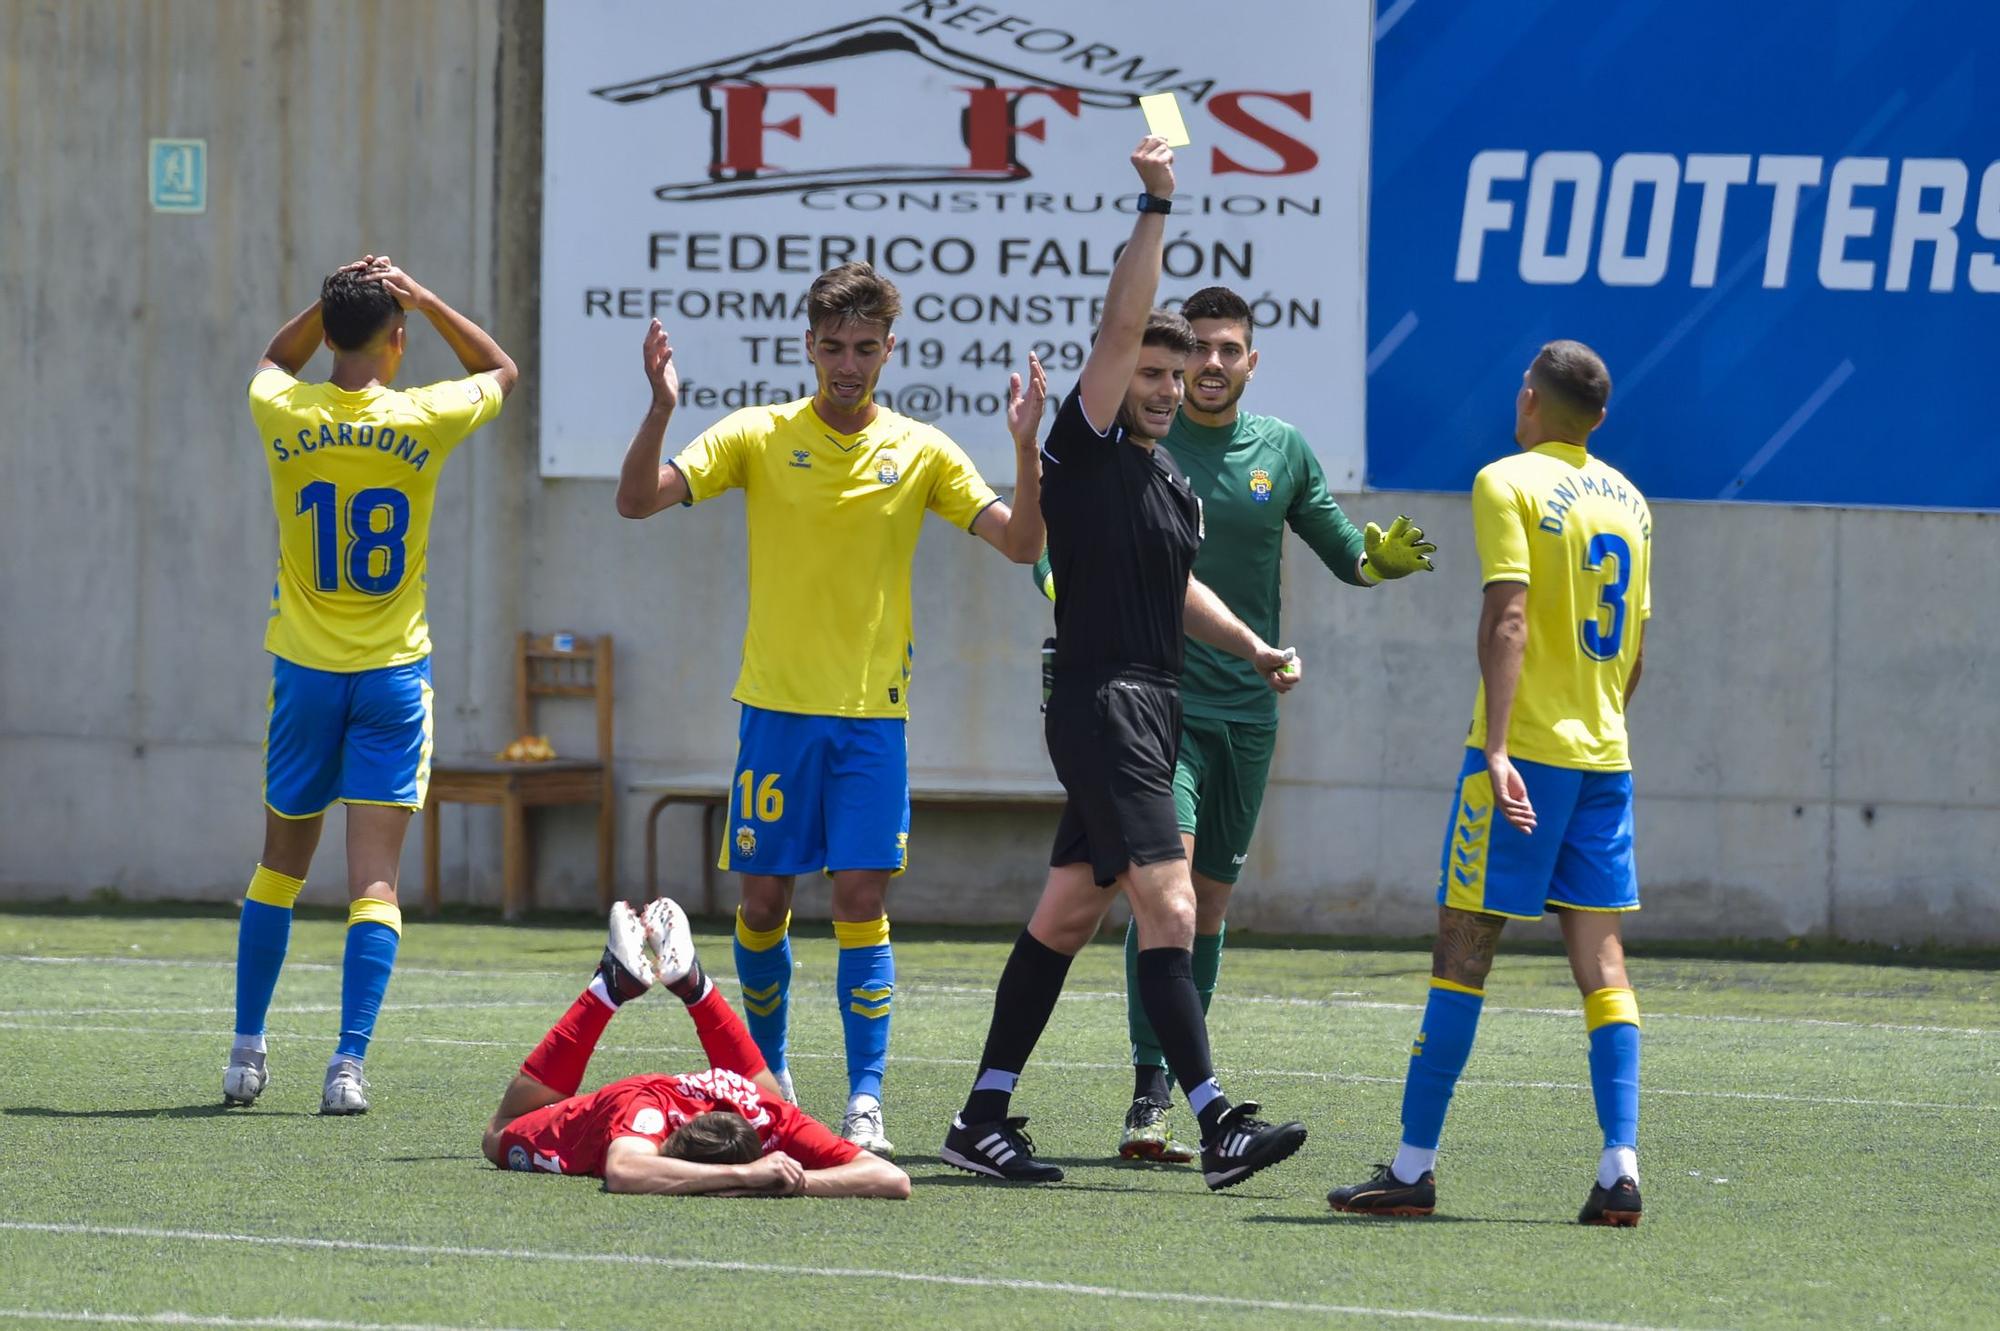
<point x="1465" y="945"/>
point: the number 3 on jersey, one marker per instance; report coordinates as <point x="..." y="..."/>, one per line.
<point x="321" y="502"/>
<point x="1601" y="643"/>
<point x="761" y="800"/>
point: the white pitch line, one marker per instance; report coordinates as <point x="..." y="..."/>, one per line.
<point x="1340" y="998"/>
<point x="1052" y="1065"/>
<point x="174" y="1318"/>
<point x="1023" y="1286"/>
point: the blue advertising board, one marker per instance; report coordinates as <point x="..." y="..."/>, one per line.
<point x="1779" y="223"/>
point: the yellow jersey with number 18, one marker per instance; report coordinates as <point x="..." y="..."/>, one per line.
<point x="1581" y="536"/>
<point x="833" y="522"/>
<point x="353" y="476"/>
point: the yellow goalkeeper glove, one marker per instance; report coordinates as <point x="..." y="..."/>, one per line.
<point x="1397" y="552"/>
<point x="1045" y="576"/>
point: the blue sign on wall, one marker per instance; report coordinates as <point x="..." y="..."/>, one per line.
<point x="1779" y="223"/>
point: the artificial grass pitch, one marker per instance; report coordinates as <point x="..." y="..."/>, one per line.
<point x="1817" y="1141"/>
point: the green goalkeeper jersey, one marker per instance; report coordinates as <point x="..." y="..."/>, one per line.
<point x="1253" y="477"/>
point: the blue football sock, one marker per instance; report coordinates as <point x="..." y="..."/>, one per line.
<point x="262" y="937"/>
<point x="764" y="970"/>
<point x="865" y="986"/>
<point x="1612" y="1016"/>
<point x="1451" y="1019"/>
<point x="374" y="928"/>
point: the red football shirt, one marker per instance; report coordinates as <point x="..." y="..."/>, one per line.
<point x="572" y="1136"/>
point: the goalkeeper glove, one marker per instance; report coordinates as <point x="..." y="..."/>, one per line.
<point x="1045" y="576"/>
<point x="1397" y="552"/>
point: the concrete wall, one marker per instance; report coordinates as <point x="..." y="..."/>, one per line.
<point x="1815" y="736"/>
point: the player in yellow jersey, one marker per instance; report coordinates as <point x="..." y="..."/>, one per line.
<point x="354" y="470"/>
<point x="1565" y="554"/>
<point x="835" y="487"/>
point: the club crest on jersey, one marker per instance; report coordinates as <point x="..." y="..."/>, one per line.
<point x="888" y="474"/>
<point x="801" y="458"/>
<point x="517" y="1158"/>
<point x="1260" y="485"/>
<point x="746" y="841"/>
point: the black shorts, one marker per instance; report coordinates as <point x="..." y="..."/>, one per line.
<point x="1113" y="741"/>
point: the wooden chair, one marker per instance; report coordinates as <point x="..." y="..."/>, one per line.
<point x="579" y="668"/>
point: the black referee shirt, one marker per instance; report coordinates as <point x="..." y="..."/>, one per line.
<point x="1123" y="529"/>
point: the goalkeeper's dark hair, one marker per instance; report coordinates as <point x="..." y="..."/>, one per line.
<point x="1220" y="303"/>
<point x="1572" y="380"/>
<point x="356" y="309"/>
<point x="719" y="1137"/>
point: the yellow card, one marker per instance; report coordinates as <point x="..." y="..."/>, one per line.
<point x="1163" y="117"/>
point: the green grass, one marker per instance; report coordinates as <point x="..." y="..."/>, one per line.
<point x="1819" y="1134"/>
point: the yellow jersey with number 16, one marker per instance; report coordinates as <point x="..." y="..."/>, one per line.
<point x="1581" y="536"/>
<point x="833" y="522"/>
<point x="353" y="477"/>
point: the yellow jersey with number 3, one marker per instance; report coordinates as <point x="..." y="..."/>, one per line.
<point x="353" y="477"/>
<point x="833" y="522"/>
<point x="1581" y="537"/>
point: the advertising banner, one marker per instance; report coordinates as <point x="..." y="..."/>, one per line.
<point x="706" y="162"/>
<point x="1779" y="223"/>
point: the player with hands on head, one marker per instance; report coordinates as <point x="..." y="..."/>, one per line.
<point x="1123" y="528"/>
<point x="835" y="488"/>
<point x="354" y="466"/>
<point x="1565" y="557"/>
<point x="728" y="1131"/>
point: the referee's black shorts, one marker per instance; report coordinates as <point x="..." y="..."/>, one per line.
<point x="1114" y="739"/>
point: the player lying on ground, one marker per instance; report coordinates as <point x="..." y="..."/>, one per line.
<point x="727" y="1131"/>
<point x="1565" y="552"/>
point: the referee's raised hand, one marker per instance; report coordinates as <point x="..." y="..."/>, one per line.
<point x="1154" y="161"/>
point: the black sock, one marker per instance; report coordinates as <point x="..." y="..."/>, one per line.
<point x="1150" y="1083"/>
<point x="1029" y="986"/>
<point x="1173" y="1005"/>
<point x="690" y="987"/>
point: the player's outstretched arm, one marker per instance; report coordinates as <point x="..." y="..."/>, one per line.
<point x="1503" y="644"/>
<point x="645" y="486"/>
<point x="474" y="346"/>
<point x="1016" y="530"/>
<point x="634" y="1164"/>
<point x="1135" y="280"/>
<point x="1208" y="620"/>
<point x="864" y="1176"/>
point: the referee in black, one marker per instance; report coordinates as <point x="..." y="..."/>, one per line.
<point x="1123" y="528"/>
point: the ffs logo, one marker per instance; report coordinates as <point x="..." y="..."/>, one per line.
<point x="746" y="841"/>
<point x="801" y="458"/>
<point x="888" y="475"/>
<point x="1260" y="485"/>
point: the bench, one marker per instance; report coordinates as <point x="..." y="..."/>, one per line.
<point x="950" y="792"/>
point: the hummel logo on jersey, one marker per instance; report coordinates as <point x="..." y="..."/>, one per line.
<point x="1240" y="859"/>
<point x="801" y="458"/>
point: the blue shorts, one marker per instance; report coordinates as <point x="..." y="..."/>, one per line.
<point x="362" y="737"/>
<point x="817" y="792"/>
<point x="1580" y="855"/>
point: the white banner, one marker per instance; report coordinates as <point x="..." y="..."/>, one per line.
<point x="705" y="162"/>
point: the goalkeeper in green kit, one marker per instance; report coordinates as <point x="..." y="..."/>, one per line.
<point x="1255" y="476"/>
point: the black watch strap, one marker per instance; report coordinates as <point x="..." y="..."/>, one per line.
<point x="1153" y="203"/>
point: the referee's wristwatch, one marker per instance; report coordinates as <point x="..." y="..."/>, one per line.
<point x="1153" y="203"/>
